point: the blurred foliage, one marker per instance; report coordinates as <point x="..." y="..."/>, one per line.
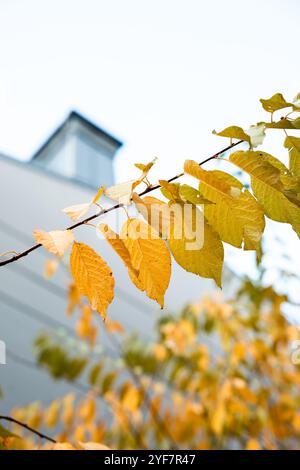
<point x="218" y="375"/>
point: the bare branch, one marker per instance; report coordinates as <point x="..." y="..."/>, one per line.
<point x="116" y="206"/>
<point x="25" y="426"/>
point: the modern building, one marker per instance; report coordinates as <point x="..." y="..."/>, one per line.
<point x="76" y="159"/>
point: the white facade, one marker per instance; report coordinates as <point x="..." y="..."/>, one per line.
<point x="31" y="197"/>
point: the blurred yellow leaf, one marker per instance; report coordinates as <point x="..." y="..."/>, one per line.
<point x="50" y="269"/>
<point x="253" y="444"/>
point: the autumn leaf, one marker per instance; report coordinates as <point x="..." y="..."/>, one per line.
<point x="50" y="269"/>
<point x="236" y="215"/>
<point x="149" y="256"/>
<point x="284" y="123"/>
<point x="92" y="276"/>
<point x="79" y="210"/>
<point x="119" y="247"/>
<point x="56" y="242"/>
<point x="145" y="168"/>
<point x="73" y="298"/>
<point x="156" y="213"/>
<point x="192" y="195"/>
<point x="253" y="444"/>
<point x="123" y="192"/>
<point x="293" y="145"/>
<point x="205" y="260"/>
<point x="92" y="446"/>
<point x="275" y="103"/>
<point x="268" y="188"/>
<point x="170" y="190"/>
<point x="234" y="132"/>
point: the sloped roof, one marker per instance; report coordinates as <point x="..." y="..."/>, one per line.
<point x="74" y="115"/>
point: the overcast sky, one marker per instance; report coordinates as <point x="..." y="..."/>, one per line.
<point x="158" y="74"/>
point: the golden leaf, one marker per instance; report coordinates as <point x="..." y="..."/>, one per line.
<point x="57" y="241"/>
<point x="145" y="168"/>
<point x="192" y="195"/>
<point x="200" y="254"/>
<point x="73" y="298"/>
<point x="92" y="276"/>
<point x="119" y="247"/>
<point x="236" y="215"/>
<point x="170" y="190"/>
<point x="253" y="444"/>
<point x="149" y="256"/>
<point x="293" y="144"/>
<point x="267" y="181"/>
<point x="156" y="213"/>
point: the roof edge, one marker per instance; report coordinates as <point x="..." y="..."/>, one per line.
<point x="87" y="123"/>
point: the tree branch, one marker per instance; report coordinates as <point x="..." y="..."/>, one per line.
<point x="25" y="426"/>
<point x="116" y="206"/>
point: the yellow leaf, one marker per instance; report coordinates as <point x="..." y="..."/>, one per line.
<point x="156" y="213"/>
<point x="233" y="132"/>
<point x="52" y="414"/>
<point x="98" y="195"/>
<point x="92" y="446"/>
<point x="114" y="326"/>
<point x="131" y="398"/>
<point x="123" y="192"/>
<point x="63" y="446"/>
<point x="79" y="210"/>
<point x="170" y="190"/>
<point x="275" y="103"/>
<point x="206" y="261"/>
<point x="92" y="276"/>
<point x="57" y="242"/>
<point x="87" y="409"/>
<point x="192" y="195"/>
<point x="236" y="215"/>
<point x="145" y="168"/>
<point x="253" y="444"/>
<point x="284" y="123"/>
<point x="149" y="256"/>
<point x="268" y="187"/>
<point x="119" y="247"/>
<point x="73" y="298"/>
<point x="51" y="266"/>
<point x="293" y="144"/>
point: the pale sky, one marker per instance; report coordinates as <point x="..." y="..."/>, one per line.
<point x="158" y="74"/>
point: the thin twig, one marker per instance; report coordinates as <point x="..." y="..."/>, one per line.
<point x="116" y="206"/>
<point x="25" y="426"/>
